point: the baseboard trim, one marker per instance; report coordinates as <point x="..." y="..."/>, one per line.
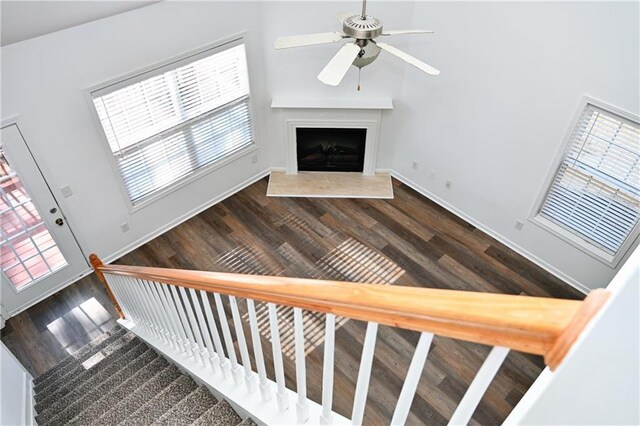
<point x="486" y="229"/>
<point x="191" y="213"/>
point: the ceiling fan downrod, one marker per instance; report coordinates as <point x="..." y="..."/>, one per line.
<point x="364" y="10"/>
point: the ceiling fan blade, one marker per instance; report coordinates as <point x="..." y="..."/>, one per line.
<point x="308" y="39"/>
<point x="396" y="32"/>
<point x="341" y="16"/>
<point x="333" y="73"/>
<point x="408" y="58"/>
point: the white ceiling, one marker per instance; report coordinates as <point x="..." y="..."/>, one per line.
<point x="22" y="20"/>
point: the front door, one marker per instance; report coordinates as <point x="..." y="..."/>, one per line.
<point x="38" y="252"/>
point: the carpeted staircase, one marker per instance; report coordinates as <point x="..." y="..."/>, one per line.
<point x="118" y="379"/>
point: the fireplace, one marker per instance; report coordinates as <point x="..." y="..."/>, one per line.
<point x="330" y="149"/>
<point x="331" y="139"/>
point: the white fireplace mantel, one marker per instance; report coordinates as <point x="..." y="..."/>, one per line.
<point x="332" y="103"/>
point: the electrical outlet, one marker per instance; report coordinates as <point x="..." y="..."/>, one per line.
<point x="66" y="191"/>
<point x="518" y="225"/>
<point x="125" y="227"/>
<point x="432" y="175"/>
<point x="414" y="165"/>
<point x="448" y="184"/>
<point x="254" y="159"/>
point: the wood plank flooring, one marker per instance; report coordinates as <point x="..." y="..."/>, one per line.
<point x="405" y="241"/>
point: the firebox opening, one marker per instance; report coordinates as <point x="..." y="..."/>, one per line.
<point x="330" y="150"/>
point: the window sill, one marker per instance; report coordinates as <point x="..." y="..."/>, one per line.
<point x="579" y="243"/>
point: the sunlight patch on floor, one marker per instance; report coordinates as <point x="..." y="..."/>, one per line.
<point x="89" y="315"/>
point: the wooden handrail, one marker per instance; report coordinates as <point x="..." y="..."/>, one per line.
<point x="537" y="325"/>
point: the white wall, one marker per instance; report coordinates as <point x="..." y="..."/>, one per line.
<point x="599" y="381"/>
<point x="513" y="74"/>
<point x="44" y="79"/>
<point x="15" y="391"/>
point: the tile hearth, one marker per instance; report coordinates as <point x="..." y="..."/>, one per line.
<point x="330" y="185"/>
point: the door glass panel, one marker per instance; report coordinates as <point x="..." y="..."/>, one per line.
<point x="27" y="251"/>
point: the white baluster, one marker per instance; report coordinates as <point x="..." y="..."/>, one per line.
<point x="124" y="293"/>
<point x="364" y="374"/>
<point x="134" y="291"/>
<point x="265" y="389"/>
<point x="224" y="362"/>
<point x="236" y="371"/>
<point x="134" y="308"/>
<point x="301" y="373"/>
<point x="175" y="319"/>
<point x="116" y="289"/>
<point x="242" y="344"/>
<point x="479" y="386"/>
<point x="183" y="319"/>
<point x="283" y="401"/>
<point x="141" y="292"/>
<point x="197" y="344"/>
<point x="208" y="344"/>
<point x="169" y="314"/>
<point x="162" y="315"/>
<point x="163" y="310"/>
<point x="326" y="418"/>
<point x="411" y="380"/>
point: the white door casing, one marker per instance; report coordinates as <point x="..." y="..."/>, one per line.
<point x="45" y="252"/>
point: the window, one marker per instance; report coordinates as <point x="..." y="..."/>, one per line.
<point x="594" y="198"/>
<point x="169" y="123"/>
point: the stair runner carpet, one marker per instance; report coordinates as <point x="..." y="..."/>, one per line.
<point x="118" y="379"/>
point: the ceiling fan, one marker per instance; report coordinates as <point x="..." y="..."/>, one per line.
<point x="363" y="51"/>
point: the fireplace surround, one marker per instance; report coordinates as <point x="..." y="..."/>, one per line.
<point x="359" y="120"/>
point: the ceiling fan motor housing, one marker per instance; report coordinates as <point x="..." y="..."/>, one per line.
<point x="367" y="55"/>
<point x="362" y="29"/>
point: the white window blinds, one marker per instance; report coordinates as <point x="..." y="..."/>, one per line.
<point x="166" y="124"/>
<point x="596" y="191"/>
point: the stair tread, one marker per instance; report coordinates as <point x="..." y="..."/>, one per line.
<point x="247" y="422"/>
<point x="189" y="409"/>
<point x="146" y="391"/>
<point x="84" y="398"/>
<point x="119" y="379"/>
<point x="87" y="376"/>
<point x="163" y="402"/>
<point x="117" y="394"/>
<point x="77" y="358"/>
<point x="73" y="369"/>
<point x="222" y="414"/>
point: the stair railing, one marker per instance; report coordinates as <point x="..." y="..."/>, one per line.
<point x="173" y="308"/>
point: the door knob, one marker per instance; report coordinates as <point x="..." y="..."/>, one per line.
<point x="59" y="221"/>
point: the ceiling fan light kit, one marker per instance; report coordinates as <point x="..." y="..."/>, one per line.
<point x="363" y="51"/>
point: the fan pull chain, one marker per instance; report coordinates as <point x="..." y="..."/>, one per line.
<point x="359" y="71"/>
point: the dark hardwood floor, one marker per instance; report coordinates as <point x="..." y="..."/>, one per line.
<point x="405" y="241"/>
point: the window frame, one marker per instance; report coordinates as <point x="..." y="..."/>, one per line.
<point x="159" y="68"/>
<point x="576" y="241"/>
